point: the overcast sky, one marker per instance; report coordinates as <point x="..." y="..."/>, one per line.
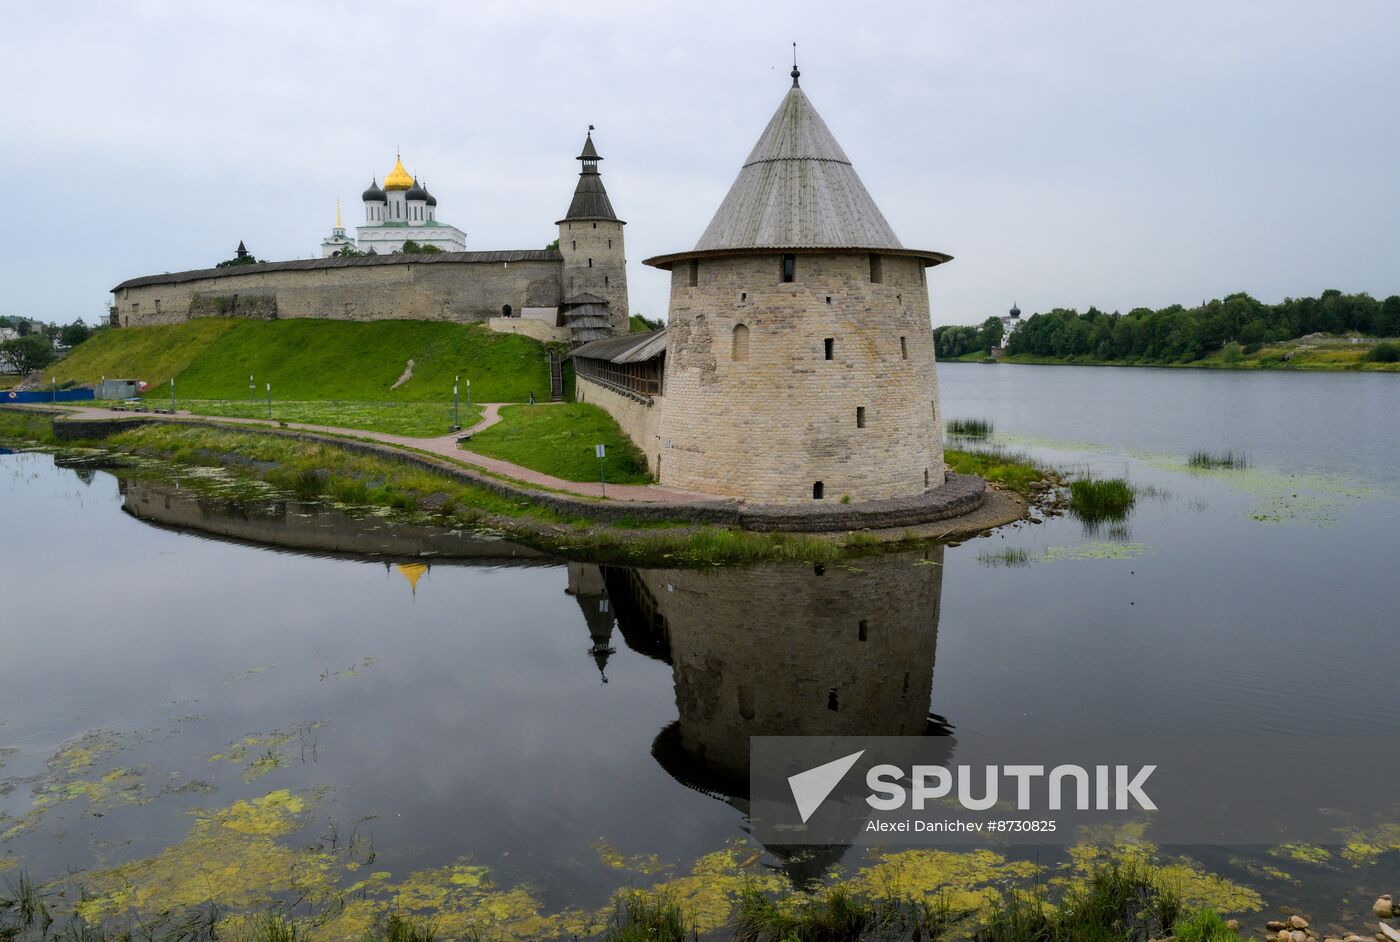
<point x="1065" y="153"/>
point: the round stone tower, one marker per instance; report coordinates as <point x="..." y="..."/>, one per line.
<point x="590" y="239"/>
<point x="799" y="359"/>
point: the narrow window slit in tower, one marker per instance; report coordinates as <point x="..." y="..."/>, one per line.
<point x="694" y="272"/>
<point x="743" y="295"/>
<point x="860" y="416"/>
<point x="828" y="299"/>
<point x="817" y="490"/>
<point x="829" y="345"/>
<point x="789" y="267"/>
<point x="864" y="627"/>
<point x="903" y="348"/>
<point x="925" y="478"/>
<point x="877" y="273"/>
<point x="832" y="703"/>
<point x="590" y="263"/>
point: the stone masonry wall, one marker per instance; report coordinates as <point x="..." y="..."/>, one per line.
<point x="792" y="650"/>
<point x="641" y="422"/>
<point x="765" y="428"/>
<point x="443" y="291"/>
<point x="599" y="242"/>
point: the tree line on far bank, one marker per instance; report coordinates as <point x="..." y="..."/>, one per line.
<point x="1177" y="334"/>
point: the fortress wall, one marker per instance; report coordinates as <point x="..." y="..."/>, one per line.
<point x="447" y="291"/>
<point x="640" y="422"/>
<point x="767" y="427"/>
<point x="538" y="330"/>
<point x="791" y="650"/>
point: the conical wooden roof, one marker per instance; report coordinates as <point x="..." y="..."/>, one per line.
<point x="797" y="191"/>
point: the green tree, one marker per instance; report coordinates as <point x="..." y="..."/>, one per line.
<point x="990" y="334"/>
<point x="411" y="247"/>
<point x="30" y="352"/>
<point x="74" y="333"/>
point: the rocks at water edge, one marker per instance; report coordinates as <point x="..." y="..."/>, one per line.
<point x="1384" y="907"/>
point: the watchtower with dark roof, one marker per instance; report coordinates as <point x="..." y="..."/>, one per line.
<point x="590" y="240"/>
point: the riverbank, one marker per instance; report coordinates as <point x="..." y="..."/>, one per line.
<point x="359" y="472"/>
<point x="1334" y="355"/>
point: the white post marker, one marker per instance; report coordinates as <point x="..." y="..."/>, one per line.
<point x="602" y="480"/>
<point x="252" y="389"/>
<point x="172" y="395"/>
<point x="269" y="400"/>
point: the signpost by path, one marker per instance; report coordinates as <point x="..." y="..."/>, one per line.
<point x="602" y="478"/>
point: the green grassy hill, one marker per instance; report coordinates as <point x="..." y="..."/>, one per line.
<point x="308" y="359"/>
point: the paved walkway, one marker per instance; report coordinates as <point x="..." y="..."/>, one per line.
<point x="443" y="445"/>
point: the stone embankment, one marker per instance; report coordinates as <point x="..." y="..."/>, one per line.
<point x="1297" y="928"/>
<point x="960" y="496"/>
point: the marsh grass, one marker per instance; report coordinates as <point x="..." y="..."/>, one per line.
<point x="1206" y="460"/>
<point x="837" y="914"/>
<point x="1012" y="557"/>
<point x="643" y="917"/>
<point x="1117" y="904"/>
<point x="1013" y="470"/>
<point x="976" y="429"/>
<point x="1101" y="500"/>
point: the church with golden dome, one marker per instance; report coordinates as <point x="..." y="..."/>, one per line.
<point x="399" y="211"/>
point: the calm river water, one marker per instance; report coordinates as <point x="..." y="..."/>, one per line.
<point x="573" y="728"/>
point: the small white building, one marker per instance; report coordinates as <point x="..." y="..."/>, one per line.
<point x="402" y="210"/>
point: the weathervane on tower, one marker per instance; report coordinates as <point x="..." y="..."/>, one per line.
<point x="795" y="73"/>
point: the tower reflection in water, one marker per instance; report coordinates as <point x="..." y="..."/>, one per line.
<point x="776" y="650"/>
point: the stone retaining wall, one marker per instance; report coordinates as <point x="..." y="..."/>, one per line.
<point x="641" y="421"/>
<point x="960" y="494"/>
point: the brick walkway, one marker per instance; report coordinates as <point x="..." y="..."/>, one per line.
<point x="444" y="446"/>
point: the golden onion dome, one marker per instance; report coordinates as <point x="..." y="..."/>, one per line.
<point x="398" y="178"/>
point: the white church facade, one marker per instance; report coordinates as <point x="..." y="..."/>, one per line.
<point x="402" y="210"/>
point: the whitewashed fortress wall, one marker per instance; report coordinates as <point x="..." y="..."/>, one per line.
<point x="755" y="409"/>
<point x="461" y="287"/>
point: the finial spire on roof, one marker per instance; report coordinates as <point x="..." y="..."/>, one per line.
<point x="795" y="73"/>
<point x="590" y="198"/>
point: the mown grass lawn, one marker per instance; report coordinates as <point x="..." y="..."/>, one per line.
<point x="422" y="419"/>
<point x="559" y="440"/>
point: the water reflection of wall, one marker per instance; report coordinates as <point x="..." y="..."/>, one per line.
<point x="306" y="527"/>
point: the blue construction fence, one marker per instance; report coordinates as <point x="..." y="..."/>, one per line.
<point x="46" y="395"/>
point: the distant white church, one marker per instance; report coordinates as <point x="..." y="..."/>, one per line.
<point x="403" y="210"/>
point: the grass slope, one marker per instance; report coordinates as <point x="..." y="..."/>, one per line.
<point x="154" y="354"/>
<point x="307" y="359"/>
<point x="559" y="440"/>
